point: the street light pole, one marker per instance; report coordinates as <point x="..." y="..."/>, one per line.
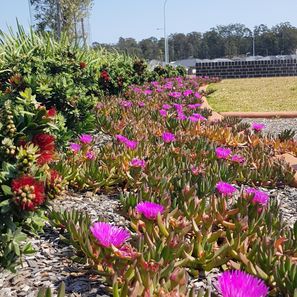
<point x="165" y="35"/>
<point x="254" y="50"/>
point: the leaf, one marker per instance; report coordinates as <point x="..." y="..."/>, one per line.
<point x="6" y="190"/>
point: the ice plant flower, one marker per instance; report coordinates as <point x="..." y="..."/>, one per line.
<point x="163" y="112"/>
<point x="194" y="106"/>
<point x="149" y="210"/>
<point x="126" y="103"/>
<point x="223" y="153"/>
<point x="141" y="104"/>
<point x="175" y="95"/>
<point x="198" y="95"/>
<point x="108" y="235"/>
<point x="166" y="106"/>
<point x="241" y="284"/>
<point x="258" y="127"/>
<point x="137" y="163"/>
<point x="131" y="144"/>
<point x="86" y="138"/>
<point x="147" y="92"/>
<point x="187" y="93"/>
<point x="238" y="159"/>
<point x="28" y="193"/>
<point x="259" y="197"/>
<point x="90" y="155"/>
<point x="75" y="147"/>
<point x="181" y="116"/>
<point x="195" y="117"/>
<point x="225" y="189"/>
<point x="168" y="137"/>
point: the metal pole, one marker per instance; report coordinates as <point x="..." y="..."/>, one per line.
<point x="165" y="35"/>
<point x="254" y="50"/>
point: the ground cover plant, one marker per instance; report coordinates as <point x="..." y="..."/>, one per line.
<point x="189" y="188"/>
<point x="255" y="94"/>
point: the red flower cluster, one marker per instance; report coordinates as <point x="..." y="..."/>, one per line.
<point x="28" y="192"/>
<point x="105" y="76"/>
<point x="46" y="144"/>
<point x="82" y="65"/>
<point x="51" y="112"/>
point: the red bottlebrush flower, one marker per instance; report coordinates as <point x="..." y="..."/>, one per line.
<point x="45" y="142"/>
<point x="52" y="112"/>
<point x="54" y="176"/>
<point x="28" y="192"/>
<point x="105" y="75"/>
<point x="82" y="65"/>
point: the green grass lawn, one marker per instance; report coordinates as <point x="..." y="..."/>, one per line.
<point x="255" y="94"/>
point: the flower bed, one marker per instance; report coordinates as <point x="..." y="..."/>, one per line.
<point x="188" y="186"/>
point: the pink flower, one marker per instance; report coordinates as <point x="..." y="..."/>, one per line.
<point x="178" y="107"/>
<point x="175" y="95"/>
<point x="166" y="106"/>
<point x="126" y="103"/>
<point x="90" y="155"/>
<point x="141" y="104"/>
<point x="108" y="235"/>
<point x="150" y="210"/>
<point x="147" y="92"/>
<point x="225" y="189"/>
<point x="198" y="95"/>
<point x="99" y="105"/>
<point x="259" y="197"/>
<point x="138" y="163"/>
<point x="168" y="137"/>
<point x="240" y="284"/>
<point x="195" y="117"/>
<point x="258" y="127"/>
<point x="163" y="112"/>
<point x="238" y="159"/>
<point x="223" y="153"/>
<point x="75" y="147"/>
<point x="181" y="116"/>
<point x="131" y="144"/>
<point x="194" y="106"/>
<point x="187" y="93"/>
<point x="86" y="138"/>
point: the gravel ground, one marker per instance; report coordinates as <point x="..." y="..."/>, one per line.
<point x="275" y="126"/>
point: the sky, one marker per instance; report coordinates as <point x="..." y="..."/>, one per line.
<point x="140" y="19"/>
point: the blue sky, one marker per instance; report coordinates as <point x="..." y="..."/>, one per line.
<point x="140" y="18"/>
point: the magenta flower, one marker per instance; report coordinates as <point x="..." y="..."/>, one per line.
<point x="141" y="104"/>
<point x="223" y="153"/>
<point x="147" y="92"/>
<point x="195" y="117"/>
<point x="108" y="235"/>
<point x="86" y="138"/>
<point x="198" y="95"/>
<point x="137" y="163"/>
<point x="188" y="93"/>
<point x="75" y="147"/>
<point x="137" y="90"/>
<point x="163" y="112"/>
<point x="238" y="159"/>
<point x="126" y="103"/>
<point x="90" y="155"/>
<point x="194" y="106"/>
<point x="181" y="116"/>
<point x="225" y="189"/>
<point x="150" y="210"/>
<point x="258" y="127"/>
<point x="166" y="106"/>
<point x="168" y="86"/>
<point x="131" y="144"/>
<point x="175" y="95"/>
<point x="168" y="137"/>
<point x="178" y="107"/>
<point x="258" y="196"/>
<point x="241" y="284"/>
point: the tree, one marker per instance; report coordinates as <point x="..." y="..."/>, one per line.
<point x="60" y="15"/>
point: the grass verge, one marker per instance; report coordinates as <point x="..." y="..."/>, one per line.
<point x="255" y="94"/>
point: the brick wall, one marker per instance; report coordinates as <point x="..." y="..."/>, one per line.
<point x="241" y="69"/>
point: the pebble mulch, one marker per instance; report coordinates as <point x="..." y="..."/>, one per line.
<point x="275" y="126"/>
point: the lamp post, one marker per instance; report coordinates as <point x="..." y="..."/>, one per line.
<point x="165" y="35"/>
